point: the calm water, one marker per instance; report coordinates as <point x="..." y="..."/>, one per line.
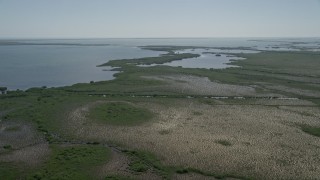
<point x="207" y="60"/>
<point x="230" y="51"/>
<point x="25" y="66"/>
<point x="211" y="42"/>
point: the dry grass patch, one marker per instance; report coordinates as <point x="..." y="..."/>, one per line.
<point x="119" y="113"/>
<point x="165" y="131"/>
<point x="202" y="86"/>
<point x="118" y="164"/>
<point x="18" y="135"/>
<point x="305" y="111"/>
<point x="302" y="92"/>
<point x="32" y="156"/>
<point x="265" y="143"/>
<point x="191" y="176"/>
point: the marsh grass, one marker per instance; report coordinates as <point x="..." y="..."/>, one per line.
<point x="138" y="166"/>
<point x="151" y="60"/>
<point x="9" y="171"/>
<point x="312" y="130"/>
<point x="120" y="113"/>
<point x="194" y="139"/>
<point x="8" y="147"/>
<point x="208" y="102"/>
<point x="46" y="109"/>
<point x="197" y="113"/>
<point x="208" y="174"/>
<point x="143" y="161"/>
<point x="13" y="128"/>
<point x="165" y="131"/>
<point x="72" y="162"/>
<point x="223" y="142"/>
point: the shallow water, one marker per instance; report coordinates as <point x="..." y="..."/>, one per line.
<point x="213" y="50"/>
<point x="277" y="48"/>
<point x="206" y="61"/>
<point x="26" y="66"/>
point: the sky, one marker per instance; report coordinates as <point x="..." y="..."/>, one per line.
<point x="158" y="18"/>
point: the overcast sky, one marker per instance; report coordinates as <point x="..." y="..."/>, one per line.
<point x="158" y="18"/>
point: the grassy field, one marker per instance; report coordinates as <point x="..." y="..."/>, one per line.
<point x="72" y="162"/>
<point x="206" y="140"/>
<point x="119" y="113"/>
<point x="260" y="121"/>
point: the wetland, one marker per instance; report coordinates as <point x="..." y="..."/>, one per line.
<point x="160" y="113"/>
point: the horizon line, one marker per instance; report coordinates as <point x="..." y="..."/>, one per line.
<point x="212" y="37"/>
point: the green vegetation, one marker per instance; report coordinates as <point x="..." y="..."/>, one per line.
<point x="7" y="147"/>
<point x="315" y="131"/>
<point x="120" y="113"/>
<point x="75" y="162"/>
<point x="143" y="161"/>
<point x="223" y="142"/>
<point x="266" y="68"/>
<point x="208" y="101"/>
<point x="9" y="171"/>
<point x="197" y="113"/>
<point x="285" y="63"/>
<point x="13" y="128"/>
<point x="151" y="60"/>
<point x="138" y="166"/>
<point x="164" y="132"/>
<point x="217" y="176"/>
